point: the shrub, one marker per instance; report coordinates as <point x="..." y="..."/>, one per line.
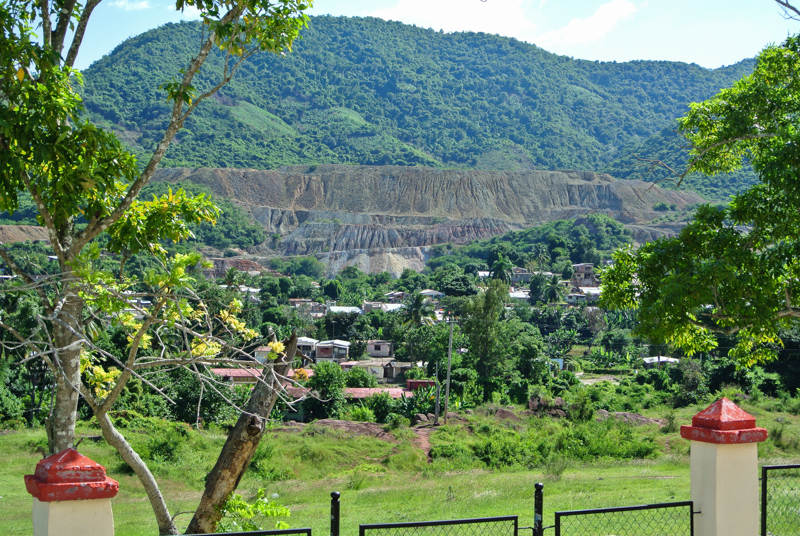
<point x="415" y="373"/>
<point x="582" y="408"/>
<point x="395" y="421"/>
<point x="359" y="377"/>
<point x="382" y="405"/>
<point x="362" y="414"/>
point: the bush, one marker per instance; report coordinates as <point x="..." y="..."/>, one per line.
<point x="360" y="377"/>
<point x="362" y="414"/>
<point x="382" y="405"/>
<point x="416" y="373"/>
<point x="395" y="421"/>
<point x="582" y="408"/>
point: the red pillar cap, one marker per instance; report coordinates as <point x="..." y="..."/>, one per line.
<point x="70" y="476"/>
<point x="724" y="423"/>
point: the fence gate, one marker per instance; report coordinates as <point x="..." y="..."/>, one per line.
<point x="482" y="526"/>
<point x="780" y="500"/>
<point x="666" y="519"/>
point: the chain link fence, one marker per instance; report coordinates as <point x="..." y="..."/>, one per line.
<point x="485" y="526"/>
<point x="668" y="519"/>
<point x="780" y="500"/>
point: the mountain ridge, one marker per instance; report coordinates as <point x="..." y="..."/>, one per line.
<point x="372" y="92"/>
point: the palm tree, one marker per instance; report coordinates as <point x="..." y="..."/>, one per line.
<point x="554" y="291"/>
<point x="540" y="255"/>
<point x="502" y="269"/>
<point x="418" y="311"/>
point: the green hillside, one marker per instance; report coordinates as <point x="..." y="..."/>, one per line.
<point x="367" y="91"/>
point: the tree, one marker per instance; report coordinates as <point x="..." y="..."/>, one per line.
<point x="554" y="291"/>
<point x="484" y="329"/>
<point x="732" y="270"/>
<point x="328" y="383"/>
<point x="417" y="312"/>
<point x="84" y="185"/>
<point x="502" y="269"/>
<point x="538" y="286"/>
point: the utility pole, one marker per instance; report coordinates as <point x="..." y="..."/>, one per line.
<point x="438" y="390"/>
<point x="449" y="359"/>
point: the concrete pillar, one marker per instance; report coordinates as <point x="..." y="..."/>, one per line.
<point x="71" y="496"/>
<point x="724" y="470"/>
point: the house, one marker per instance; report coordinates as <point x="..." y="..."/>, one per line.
<point x="575" y="298"/>
<point x="394" y="370"/>
<point x="657" y="361"/>
<point x="334" y="350"/>
<point x="395" y="297"/>
<point x="238" y="376"/>
<point x="519" y="294"/>
<point x="307" y="346"/>
<point x="584" y="275"/>
<point x="316" y="310"/>
<point x="369" y="306"/>
<point x="592" y="293"/>
<point x="377" y="348"/>
<point x="520" y="275"/>
<point x="430" y="293"/>
<point x="338" y="309"/>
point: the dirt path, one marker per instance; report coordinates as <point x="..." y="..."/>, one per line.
<point x="423" y="440"/>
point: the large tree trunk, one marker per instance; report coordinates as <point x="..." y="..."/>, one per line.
<point x="67" y="360"/>
<point x="240" y="446"/>
<point x="118" y="441"/>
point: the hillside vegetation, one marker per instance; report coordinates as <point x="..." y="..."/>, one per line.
<point x="367" y="91"/>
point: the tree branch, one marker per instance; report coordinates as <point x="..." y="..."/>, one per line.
<point x="788" y="9"/>
<point x="79" y="31"/>
<point x="47" y="26"/>
<point x="64" y="19"/>
<point x="96" y="227"/>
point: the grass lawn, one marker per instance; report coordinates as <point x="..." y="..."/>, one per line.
<point x="382" y="481"/>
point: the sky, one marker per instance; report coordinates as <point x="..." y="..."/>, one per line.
<point x="711" y="33"/>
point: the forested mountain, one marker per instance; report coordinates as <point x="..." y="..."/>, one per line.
<point x="367" y="91"/>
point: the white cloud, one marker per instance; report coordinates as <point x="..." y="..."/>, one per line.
<point x="591" y="29"/>
<point x="129" y="5"/>
<point x="504" y="17"/>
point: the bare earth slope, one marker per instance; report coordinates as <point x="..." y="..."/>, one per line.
<point x="384" y="218"/>
<point x="21" y="233"/>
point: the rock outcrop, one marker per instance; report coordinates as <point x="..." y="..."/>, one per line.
<point x="385" y="218"/>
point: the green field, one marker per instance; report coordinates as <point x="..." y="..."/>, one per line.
<point x="384" y="481"/>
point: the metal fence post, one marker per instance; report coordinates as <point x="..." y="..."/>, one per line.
<point x="763" y="501"/>
<point x="538" y="510"/>
<point x="335" y="513"/>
